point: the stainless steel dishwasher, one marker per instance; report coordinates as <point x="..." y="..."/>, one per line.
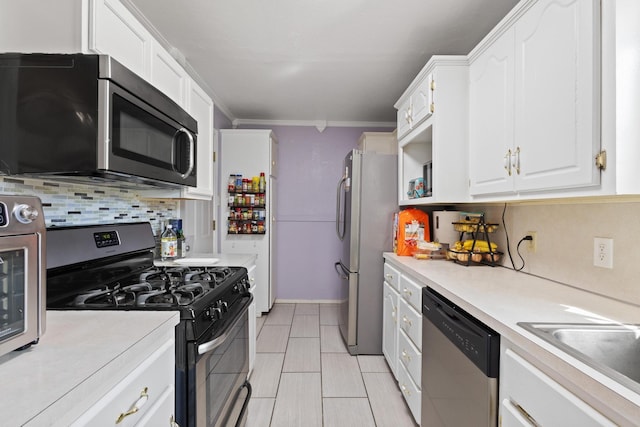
<point x="460" y="365"/>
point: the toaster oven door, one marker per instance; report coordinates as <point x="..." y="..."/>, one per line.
<point x="20" y="292"/>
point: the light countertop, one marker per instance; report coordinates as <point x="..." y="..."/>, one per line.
<point x="81" y="356"/>
<point x="223" y="259"/>
<point x="501" y="298"/>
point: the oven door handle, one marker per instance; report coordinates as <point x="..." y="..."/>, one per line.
<point x="214" y="343"/>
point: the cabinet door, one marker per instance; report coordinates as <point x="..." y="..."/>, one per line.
<point x="404" y="118"/>
<point x="544" y="400"/>
<point x="390" y="327"/>
<point x="557" y="94"/>
<point x="169" y="76"/>
<point x="116" y="32"/>
<point x="422" y="101"/>
<point x="200" y="106"/>
<point x="491" y="129"/>
<point x="150" y="387"/>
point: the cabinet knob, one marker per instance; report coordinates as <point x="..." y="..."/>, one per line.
<point x="406" y="321"/>
<point x="406" y="356"/>
<point x="405" y="390"/>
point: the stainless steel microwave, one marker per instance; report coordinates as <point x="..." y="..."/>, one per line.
<point x="89" y="118"/>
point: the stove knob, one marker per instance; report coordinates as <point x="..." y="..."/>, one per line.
<point x="25" y="213"/>
<point x="224" y="306"/>
<point x="215" y="313"/>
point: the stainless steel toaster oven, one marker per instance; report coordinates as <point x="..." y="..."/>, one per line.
<point x="22" y="272"/>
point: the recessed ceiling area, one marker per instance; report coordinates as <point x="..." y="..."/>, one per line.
<point x="320" y="60"/>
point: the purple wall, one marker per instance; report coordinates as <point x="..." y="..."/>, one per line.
<point x="310" y="165"/>
<point x="220" y="121"/>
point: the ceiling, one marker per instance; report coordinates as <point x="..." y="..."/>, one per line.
<point x="316" y="60"/>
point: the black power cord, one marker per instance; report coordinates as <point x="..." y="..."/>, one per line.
<point x="525" y="238"/>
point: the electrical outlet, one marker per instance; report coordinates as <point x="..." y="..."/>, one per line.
<point x="531" y="244"/>
<point x="602" y="252"/>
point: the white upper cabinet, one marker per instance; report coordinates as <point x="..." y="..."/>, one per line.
<point x="114" y="31"/>
<point x="535" y="101"/>
<point x="557" y="94"/>
<point x="434" y="143"/>
<point x="200" y="106"/>
<point x="169" y="76"/>
<point x="491" y="119"/>
<point x="417" y="104"/>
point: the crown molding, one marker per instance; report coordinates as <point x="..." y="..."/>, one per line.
<point x="321" y="125"/>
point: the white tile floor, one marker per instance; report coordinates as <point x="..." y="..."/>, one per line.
<point x="304" y="376"/>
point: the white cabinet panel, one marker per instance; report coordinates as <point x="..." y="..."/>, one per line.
<point x="410" y="357"/>
<point x="169" y="76"/>
<point x="437" y="132"/>
<point x="543" y="399"/>
<point x="154" y="378"/>
<point x="410" y="322"/>
<point x="410" y="391"/>
<point x="390" y="326"/>
<point x="249" y="152"/>
<point x="391" y="276"/>
<point x="491" y="120"/>
<point x="535" y="102"/>
<point x="557" y="94"/>
<point x="115" y="31"/>
<point x="411" y="291"/>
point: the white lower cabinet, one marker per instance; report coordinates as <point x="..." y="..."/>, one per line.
<point x="529" y="397"/>
<point x="402" y="334"/>
<point x="390" y="327"/>
<point x="145" y="397"/>
<point x="410" y="391"/>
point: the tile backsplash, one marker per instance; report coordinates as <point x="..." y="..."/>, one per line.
<point x="67" y="204"/>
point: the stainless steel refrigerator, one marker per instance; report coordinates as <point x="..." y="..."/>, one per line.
<point x="367" y="196"/>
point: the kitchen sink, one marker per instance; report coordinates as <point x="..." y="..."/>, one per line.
<point x="612" y="349"/>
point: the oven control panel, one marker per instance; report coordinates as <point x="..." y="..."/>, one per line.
<point x="106" y="238"/>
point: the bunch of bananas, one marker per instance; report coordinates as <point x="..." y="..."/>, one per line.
<point x="480" y="246"/>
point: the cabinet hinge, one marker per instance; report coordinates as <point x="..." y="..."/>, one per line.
<point x="213" y="225"/>
<point x="601" y="160"/>
<point x="214" y="156"/>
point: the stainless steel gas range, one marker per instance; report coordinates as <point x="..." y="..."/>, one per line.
<point x="110" y="267"/>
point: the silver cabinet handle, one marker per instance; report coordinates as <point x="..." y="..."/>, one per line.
<point x="405" y="355"/>
<point x="408" y="292"/>
<point x="406" y="320"/>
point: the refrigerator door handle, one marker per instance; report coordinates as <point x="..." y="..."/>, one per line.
<point x="341" y="272"/>
<point x="339" y="208"/>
